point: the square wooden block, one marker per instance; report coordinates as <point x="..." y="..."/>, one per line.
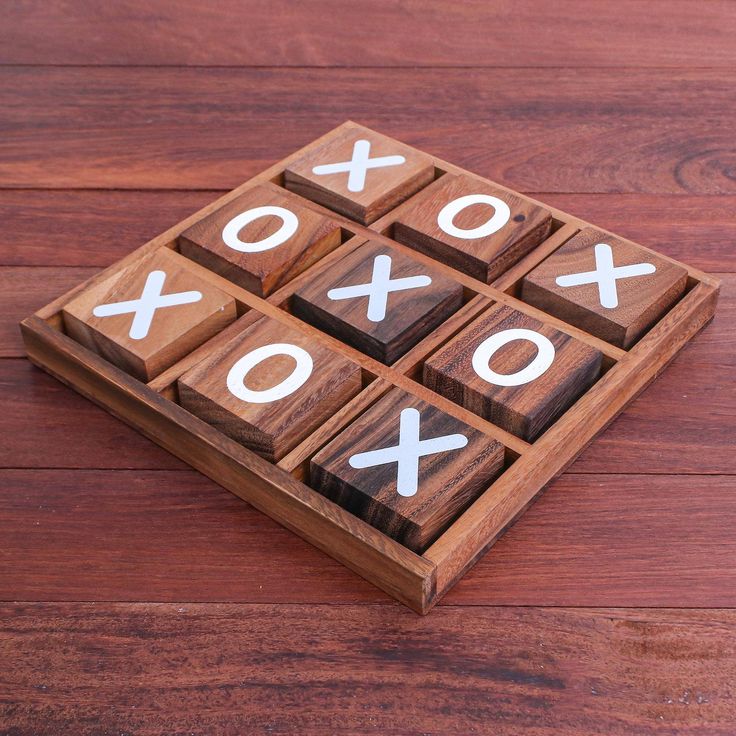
<point x="269" y="387"/>
<point x="359" y="173"/>
<point x="378" y="300"/>
<point x="146" y="317"/>
<point x="261" y="239"/>
<point x="513" y="370"/>
<point x="472" y="226"/>
<point x="608" y="287"/>
<point x="407" y="468"/>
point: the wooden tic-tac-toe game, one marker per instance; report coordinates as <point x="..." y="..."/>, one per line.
<point x="389" y="355"/>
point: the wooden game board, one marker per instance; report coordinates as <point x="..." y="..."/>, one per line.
<point x="387" y="354"/>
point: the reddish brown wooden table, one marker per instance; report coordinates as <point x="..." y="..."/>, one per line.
<point x="138" y="597"/>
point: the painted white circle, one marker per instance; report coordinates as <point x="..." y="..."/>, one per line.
<point x="486" y="350"/>
<point x="289" y="225"/>
<point x="295" y="380"/>
<point x="450" y="211"/>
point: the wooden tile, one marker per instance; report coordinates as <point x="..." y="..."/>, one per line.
<point x="147" y="316"/>
<point x="378" y="300"/>
<point x="269" y="388"/>
<point x="472" y="226"/>
<point x="613" y="289"/>
<point x="407" y="468"/>
<point x="513" y="370"/>
<point x="261" y="239"/>
<point x="359" y="173"/>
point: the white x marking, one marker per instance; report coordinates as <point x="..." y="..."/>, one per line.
<point x="378" y="288"/>
<point x="606" y="275"/>
<point x="145" y="306"/>
<point x="358" y="165"/>
<point x="408" y="452"/>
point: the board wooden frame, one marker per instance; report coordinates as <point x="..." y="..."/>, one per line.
<point x="418" y="581"/>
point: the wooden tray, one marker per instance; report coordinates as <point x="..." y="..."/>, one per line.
<point x="280" y="490"/>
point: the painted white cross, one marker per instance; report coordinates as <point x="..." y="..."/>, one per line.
<point x="606" y="275"/>
<point x="408" y="452"/>
<point x="146" y="305"/>
<point x="378" y="288"/>
<point x="358" y="165"/>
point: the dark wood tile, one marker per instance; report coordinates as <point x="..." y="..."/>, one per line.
<point x="609" y="288"/>
<point x="378" y="300"/>
<point x="407" y="468"/>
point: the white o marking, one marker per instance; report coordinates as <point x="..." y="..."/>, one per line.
<point x="289" y="225"/>
<point x="451" y="210"/>
<point x="485" y="351"/>
<point x="295" y="380"/>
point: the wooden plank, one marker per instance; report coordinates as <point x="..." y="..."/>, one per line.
<point x="315" y="670"/>
<point x="683" y="423"/>
<point x="95" y="228"/>
<point x="87" y="228"/>
<point x="157" y="536"/>
<point x="152" y="127"/>
<point x="525" y="33"/>
<point x="697" y="230"/>
<point x="45" y="423"/>
<point x="637" y="540"/>
<point x="24" y="291"/>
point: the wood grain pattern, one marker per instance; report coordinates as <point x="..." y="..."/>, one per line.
<point x="87" y="228"/>
<point x="417" y="507"/>
<point x="260" y="271"/>
<point x="410" y="314"/>
<point x="37" y="223"/>
<point x="164" y="535"/>
<point x="270" y="428"/>
<point x="699" y="434"/>
<point x="171" y="331"/>
<point x="514" y="127"/>
<point x="471" y="34"/>
<point x="366" y="197"/>
<point x="638" y="300"/>
<point x="526" y="409"/>
<point x="38" y="411"/>
<point x="25" y="289"/>
<point x="484" y="257"/>
<point x="170" y="669"/>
